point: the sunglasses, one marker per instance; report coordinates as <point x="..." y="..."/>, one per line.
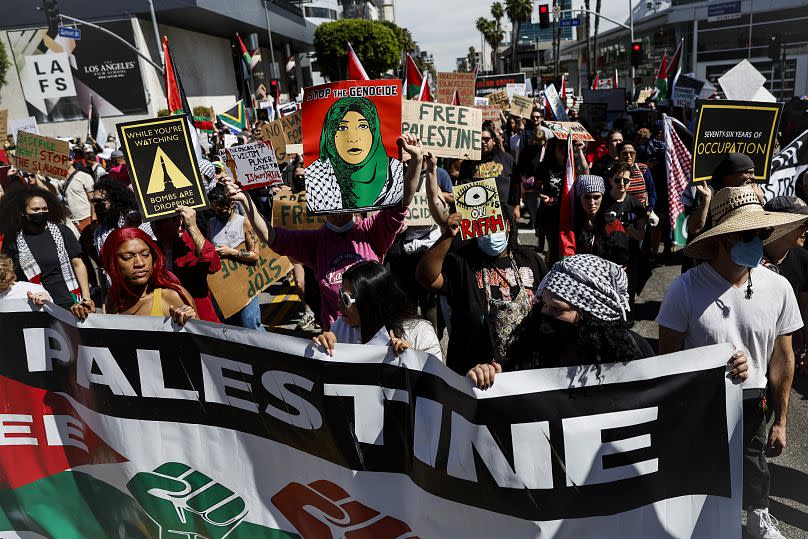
<point x="485" y="139"/>
<point x="762" y="233"/>
<point x="628" y="153"/>
<point x="345" y="299"/>
<point x="624" y="181"/>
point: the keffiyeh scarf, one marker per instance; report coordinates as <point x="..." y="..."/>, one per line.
<point x="30" y="267"/>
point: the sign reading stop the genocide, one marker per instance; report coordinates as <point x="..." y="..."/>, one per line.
<point x="445" y="130"/>
<point x="48" y="156"/>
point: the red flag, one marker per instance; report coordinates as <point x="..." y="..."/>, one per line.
<point x="425" y="94"/>
<point x="355" y="69"/>
<point x="567" y="226"/>
<point x="413" y="81"/>
<point x="175" y="95"/>
<point x="563" y="93"/>
<point x="596" y="82"/>
<point x="662" y="70"/>
<point x="673" y="66"/>
<point x="456" y="98"/>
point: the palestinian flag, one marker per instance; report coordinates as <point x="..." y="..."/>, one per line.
<point x="413" y="80"/>
<point x="251" y="61"/>
<point x="662" y="78"/>
<point x="675" y="66"/>
<point x="355" y="69"/>
<point x="425" y="92"/>
<point x="203" y="124"/>
<point x="455" y="98"/>
<point x="96" y="126"/>
<point x="175" y="95"/>
<point x="596" y="81"/>
<point x="235" y="118"/>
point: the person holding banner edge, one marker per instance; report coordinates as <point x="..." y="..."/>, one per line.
<point x="344" y="239"/>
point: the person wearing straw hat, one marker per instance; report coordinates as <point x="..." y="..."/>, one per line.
<point x="731" y="298"/>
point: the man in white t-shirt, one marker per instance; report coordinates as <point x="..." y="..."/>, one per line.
<point x="76" y="191"/>
<point x="731" y="298"/>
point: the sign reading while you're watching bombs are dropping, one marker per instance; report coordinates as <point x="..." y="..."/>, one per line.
<point x="445" y="130"/>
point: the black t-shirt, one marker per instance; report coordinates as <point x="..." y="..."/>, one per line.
<point x="43" y="248"/>
<point x="469" y="340"/>
<point x="794" y="267"/>
<point x="601" y="166"/>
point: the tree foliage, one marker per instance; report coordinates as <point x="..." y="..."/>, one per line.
<point x="374" y="42"/>
<point x="405" y="41"/>
<point x="518" y="12"/>
<point x="4" y="64"/>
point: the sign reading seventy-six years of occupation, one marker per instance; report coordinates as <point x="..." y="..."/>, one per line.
<point x="445" y="130"/>
<point x="162" y="165"/>
<point x="724" y="127"/>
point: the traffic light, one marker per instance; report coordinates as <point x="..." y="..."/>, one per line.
<point x="636" y="53"/>
<point x="544" y="16"/>
<point x="275" y="89"/>
<point x="775" y="47"/>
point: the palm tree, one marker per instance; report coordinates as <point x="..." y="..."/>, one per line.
<point x="482" y="27"/>
<point x="595" y="38"/>
<point x="471" y="57"/>
<point x="496" y="34"/>
<point x="518" y="11"/>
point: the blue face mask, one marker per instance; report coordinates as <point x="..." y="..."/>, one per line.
<point x="494" y="244"/>
<point x="747" y="254"/>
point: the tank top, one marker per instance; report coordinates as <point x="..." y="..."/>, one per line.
<point x="157" y="303"/>
<point x="230" y="233"/>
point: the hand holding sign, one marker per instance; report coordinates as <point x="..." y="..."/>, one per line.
<point x="479" y="206"/>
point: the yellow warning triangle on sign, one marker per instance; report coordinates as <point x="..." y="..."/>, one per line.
<point x="165" y="171"/>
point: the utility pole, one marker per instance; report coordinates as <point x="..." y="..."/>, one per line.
<point x="631" y="29"/>
<point x="156" y="34"/>
<point x="272" y="67"/>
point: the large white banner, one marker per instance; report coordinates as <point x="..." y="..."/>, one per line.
<point x="130" y="426"/>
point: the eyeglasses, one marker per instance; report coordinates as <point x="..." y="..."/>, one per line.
<point x="345" y="299"/>
<point x="762" y="233"/>
<point x="624" y="181"/>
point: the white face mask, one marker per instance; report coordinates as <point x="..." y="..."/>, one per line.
<point x="340" y="229"/>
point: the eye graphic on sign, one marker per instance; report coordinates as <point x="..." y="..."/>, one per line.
<point x="476" y="195"/>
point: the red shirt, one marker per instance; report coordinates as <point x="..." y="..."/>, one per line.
<point x="193" y="271"/>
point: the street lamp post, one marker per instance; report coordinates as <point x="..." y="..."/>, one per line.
<point x="631" y="30"/>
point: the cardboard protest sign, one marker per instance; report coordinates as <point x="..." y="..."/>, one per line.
<point x="289" y="211"/>
<point x="273" y="132"/>
<point x="445" y="130"/>
<point x="491" y="113"/>
<point x="521" y="106"/>
<point x="500" y="99"/>
<point x="516" y="89"/>
<point x="3" y="124"/>
<point x="614" y="98"/>
<point x="162" y="166"/>
<point x="563" y="130"/>
<point x="448" y="82"/>
<point x="725" y="127"/>
<point x="235" y="285"/>
<point x="252" y="165"/>
<point x="684" y="97"/>
<point x="593" y="113"/>
<point x="293" y="127"/>
<point x="28" y="124"/>
<point x="556" y="106"/>
<point x="489" y="84"/>
<point x="349" y="146"/>
<point x="418" y="213"/>
<point x="479" y="206"/>
<point x="644" y="94"/>
<point x="48" y="156"/>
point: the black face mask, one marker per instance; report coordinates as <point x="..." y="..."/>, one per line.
<point x="100" y="209"/>
<point x="38" y="218"/>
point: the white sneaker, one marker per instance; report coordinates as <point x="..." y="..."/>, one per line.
<point x="760" y="524"/>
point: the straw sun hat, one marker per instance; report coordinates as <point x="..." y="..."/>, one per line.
<point x="737" y="209"/>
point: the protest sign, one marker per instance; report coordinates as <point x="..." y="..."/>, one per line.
<point x="287" y="109"/>
<point x="480" y="101"/>
<point x="3" y="124"/>
<point x="515" y="89"/>
<point x="289" y="211"/>
<point x="615" y="99"/>
<point x="556" y="106"/>
<point x="273" y="132"/>
<point x="644" y="94"/>
<point x="48" y="156"/>
<point x="743" y="82"/>
<point x="697" y="85"/>
<point x="500" y="99"/>
<point x="478" y="204"/>
<point x="252" y="165"/>
<point x="491" y="113"/>
<point x="734" y="127"/>
<point x="293" y="127"/>
<point x="235" y="285"/>
<point x="445" y="130"/>
<point x="418" y="213"/>
<point x="521" y="106"/>
<point x="684" y="97"/>
<point x="139" y="418"/>
<point x="593" y="113"/>
<point x="489" y="84"/>
<point x="350" y="146"/>
<point x="28" y="124"/>
<point x="229" y="140"/>
<point x="448" y="82"/>
<point x="562" y="130"/>
<point x="162" y="165"/>
<point x="294" y="149"/>
<point x="783" y="182"/>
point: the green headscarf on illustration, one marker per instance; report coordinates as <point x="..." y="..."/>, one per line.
<point x="360" y="182"/>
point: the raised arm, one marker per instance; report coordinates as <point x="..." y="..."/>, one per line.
<point x="264" y="230"/>
<point x="412" y="145"/>
<point x="430" y="267"/>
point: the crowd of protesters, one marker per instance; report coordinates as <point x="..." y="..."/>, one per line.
<point x="81" y="244"/>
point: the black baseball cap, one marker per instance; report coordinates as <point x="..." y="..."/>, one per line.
<point x="785" y="204"/>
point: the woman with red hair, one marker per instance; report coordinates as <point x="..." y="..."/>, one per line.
<point x="140" y="283"/>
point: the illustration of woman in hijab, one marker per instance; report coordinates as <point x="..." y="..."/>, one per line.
<point x="353" y="170"/>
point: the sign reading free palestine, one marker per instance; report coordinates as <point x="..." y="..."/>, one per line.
<point x="445" y="130"/>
